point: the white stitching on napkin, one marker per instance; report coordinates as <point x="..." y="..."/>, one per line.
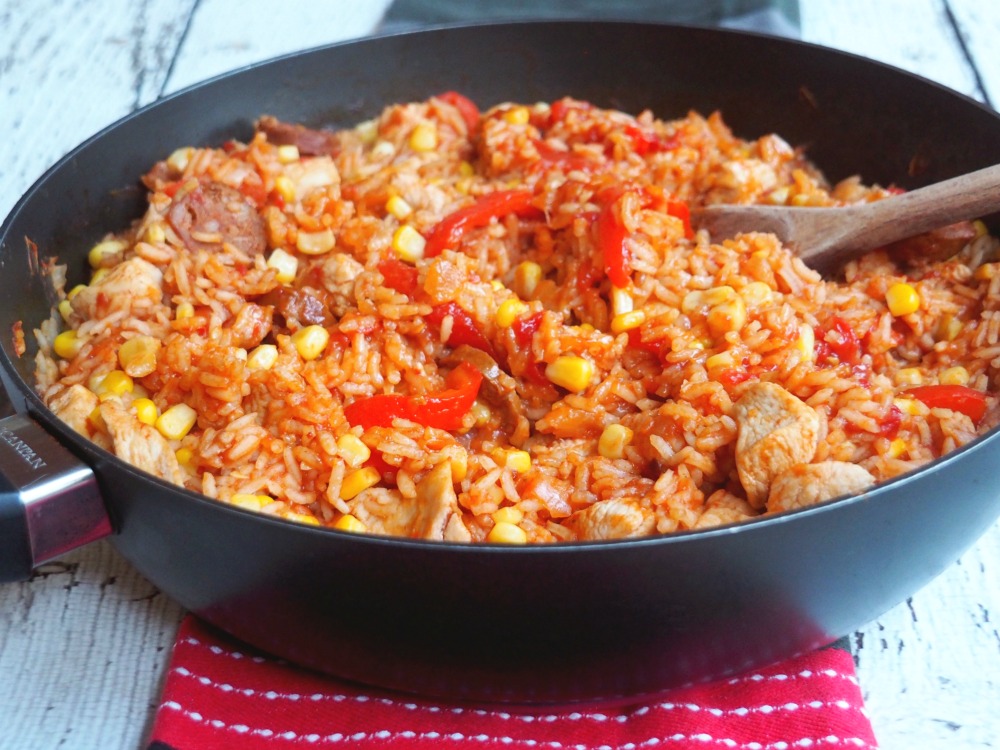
<point x="524" y="718"/>
<point x="456" y="737"/>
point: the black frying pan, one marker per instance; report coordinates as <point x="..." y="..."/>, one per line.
<point x="543" y="624"/>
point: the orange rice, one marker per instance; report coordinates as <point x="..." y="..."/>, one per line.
<point x="289" y="367"/>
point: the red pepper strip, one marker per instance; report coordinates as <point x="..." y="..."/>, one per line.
<point x="524" y="329"/>
<point x="465" y="106"/>
<point x="443" y="410"/>
<point x="398" y="275"/>
<point x="463" y="328"/>
<point x="969" y="401"/>
<point x="645" y="141"/>
<point x="568" y="160"/>
<point x="680" y="210"/>
<point x="447" y="232"/>
<point x="611" y="236"/>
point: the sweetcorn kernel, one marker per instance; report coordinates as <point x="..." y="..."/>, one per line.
<point x="570" y="372"/>
<point x="358" y="481"/>
<point x="137" y="356"/>
<point x="424" y="137"/>
<point x="896" y="448"/>
<point x="627" y="321"/>
<point x="100" y="252"/>
<point x="184" y="311"/>
<point x="288" y="153"/>
<point x="178" y="161"/>
<point x="902" y="299"/>
<point x="145" y="410"/>
<point x="352" y="450"/>
<point x="263" y="357"/>
<point x="65" y="308"/>
<point x="310" y="341"/>
<point x="305" y="518"/>
<point x="408" y="243"/>
<point x="517" y="460"/>
<point x="315" y="243"/>
<point x="177" y="421"/>
<point x="806" y="342"/>
<point x="248" y="502"/>
<point x="517" y="116"/>
<point x="459" y="466"/>
<point x="613" y="441"/>
<point x="948" y="328"/>
<point x="507" y="533"/>
<point x="286" y="265"/>
<point x="727" y="316"/>
<point x="184" y="456"/>
<point x="508" y="514"/>
<point x="284" y="187"/>
<point x="957" y="375"/>
<point x="398" y="207"/>
<point x="67" y="344"/>
<point x="348" y="522"/>
<point x="509" y="311"/>
<point x="115" y="383"/>
<point x="527" y="274"/>
<point x="155" y="234"/>
<point x="720" y="361"/>
<point x="910" y="406"/>
<point x="909" y="376"/>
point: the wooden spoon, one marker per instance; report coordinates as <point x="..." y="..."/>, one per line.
<point x="826" y="238"/>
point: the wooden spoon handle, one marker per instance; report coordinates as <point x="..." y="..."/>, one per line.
<point x="881" y="222"/>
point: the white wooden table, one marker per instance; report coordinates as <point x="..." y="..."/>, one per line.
<point x="83" y="645"/>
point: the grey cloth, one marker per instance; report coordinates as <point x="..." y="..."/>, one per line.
<point x="778" y="17"/>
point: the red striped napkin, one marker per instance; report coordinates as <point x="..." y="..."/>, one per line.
<point x="219" y="695"/>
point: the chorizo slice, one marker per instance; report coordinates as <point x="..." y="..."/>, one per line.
<point x="308" y="141"/>
<point x="214" y="213"/>
<point x="776" y="431"/>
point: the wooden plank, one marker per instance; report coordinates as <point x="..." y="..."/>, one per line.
<point x="929" y="668"/>
<point x="85" y="642"/>
<point x="224" y="35"/>
<point x="979" y="28"/>
<point x="915" y="35"/>
<point x="64" y="80"/>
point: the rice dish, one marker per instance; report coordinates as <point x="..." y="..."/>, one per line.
<point x="501" y="326"/>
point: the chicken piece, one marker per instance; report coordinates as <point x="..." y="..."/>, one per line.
<point x="724" y="507"/>
<point x="776" y="432"/>
<point x="340" y="271"/>
<point x="612" y="519"/>
<point x="808" y="484"/>
<point x="309" y="175"/>
<point x="133" y="286"/>
<point x="432" y="514"/>
<point x="140" y="444"/>
<point x="73" y="406"/>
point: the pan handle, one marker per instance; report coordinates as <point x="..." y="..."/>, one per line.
<point x="49" y="499"/>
